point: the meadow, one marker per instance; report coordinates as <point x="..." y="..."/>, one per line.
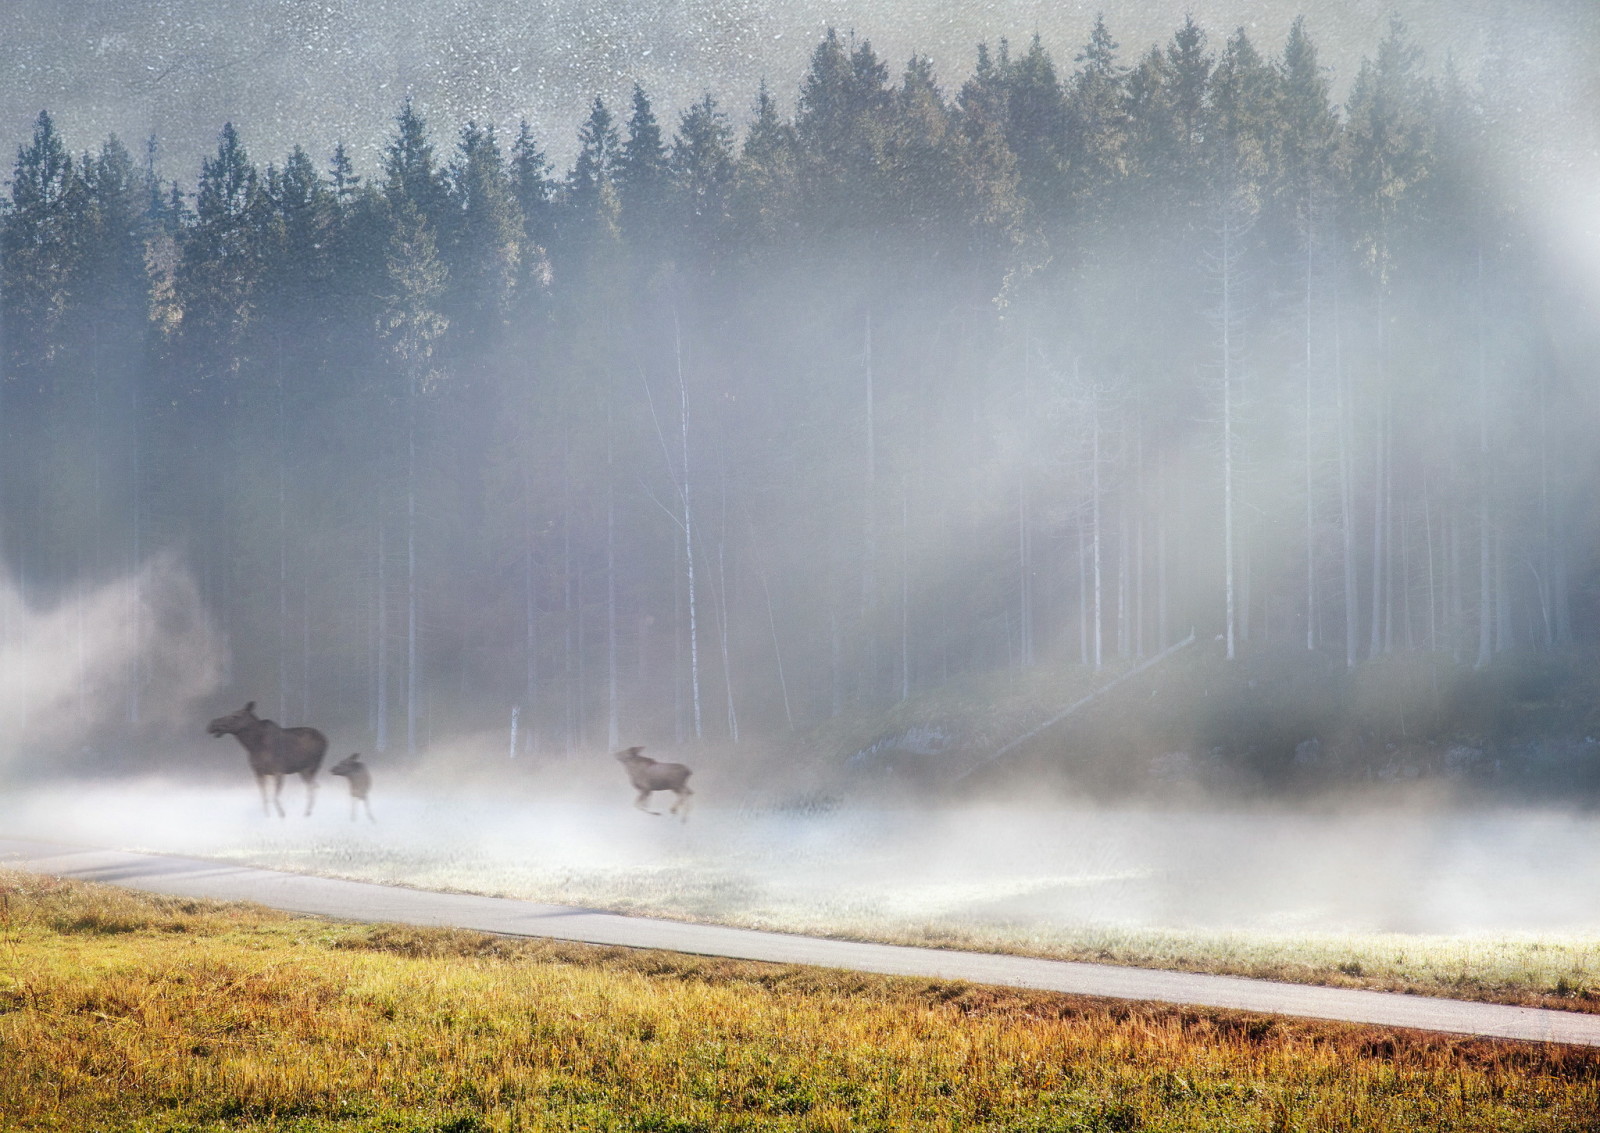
<point x="1478" y="905"/>
<point x="121" y="1011"/>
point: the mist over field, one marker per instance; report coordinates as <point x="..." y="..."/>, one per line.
<point x="1048" y="471"/>
<point x="1031" y="877"/>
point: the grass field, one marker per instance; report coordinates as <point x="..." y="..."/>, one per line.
<point x="126" y="1012"/>
<point x="1497" y="906"/>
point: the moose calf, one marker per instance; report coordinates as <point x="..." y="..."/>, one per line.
<point x="648" y="776"/>
<point x="360" y="780"/>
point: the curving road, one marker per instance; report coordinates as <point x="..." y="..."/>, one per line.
<point x="364" y="901"/>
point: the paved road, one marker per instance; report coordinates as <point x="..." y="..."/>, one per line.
<point x="364" y="901"/>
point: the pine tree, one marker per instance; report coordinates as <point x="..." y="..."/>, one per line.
<point x="702" y="173"/>
<point x="39" y="259"/>
<point x="590" y="201"/>
<point x="1036" y="127"/>
<point x="220" y="267"/>
<point x="535" y="194"/>
<point x="642" y="175"/>
<point x="410" y="170"/>
<point x="482" y="241"/>
<point x="840" y="127"/>
<point x="765" y="187"/>
<point x="1096" y="150"/>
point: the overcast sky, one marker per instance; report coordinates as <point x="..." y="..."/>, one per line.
<point x="321" y="71"/>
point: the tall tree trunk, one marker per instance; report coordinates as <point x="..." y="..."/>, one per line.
<point x="1024" y="529"/>
<point x="688" y="530"/>
<point x="1099" y="590"/>
<point x="1229" y="551"/>
<point x="381" y="723"/>
<point x="722" y="600"/>
<point x="613" y="714"/>
<point x="777" y="651"/>
<point x="1347" y="531"/>
<point x="411" y="568"/>
<point x="905" y="593"/>
<point x="1486" y="589"/>
<point x="530" y="613"/>
<point x="869" y="551"/>
<point x="1312" y="611"/>
<point x="283" y="549"/>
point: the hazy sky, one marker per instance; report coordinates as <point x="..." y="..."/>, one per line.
<point x="321" y="71"/>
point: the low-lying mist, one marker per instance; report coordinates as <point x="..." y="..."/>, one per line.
<point x="122" y="659"/>
<point x="988" y="875"/>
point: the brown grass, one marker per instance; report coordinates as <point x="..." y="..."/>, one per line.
<point x="120" y="1011"/>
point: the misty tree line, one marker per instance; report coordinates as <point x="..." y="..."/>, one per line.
<point x="723" y="432"/>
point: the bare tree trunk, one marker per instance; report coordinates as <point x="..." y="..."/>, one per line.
<point x="905" y="594"/>
<point x="411" y="569"/>
<point x="688" y="530"/>
<point x="1229" y="552"/>
<point x="613" y="723"/>
<point x="869" y="555"/>
<point x="835" y="659"/>
<point x="136" y="508"/>
<point x="1380" y="519"/>
<point x="1140" y="523"/>
<point x="381" y="742"/>
<point x="1485" y="536"/>
<point x="1099" y="599"/>
<point x="722" y="607"/>
<point x="1124" y="580"/>
<point x="530" y="612"/>
<point x="777" y="652"/>
<point x="1024" y="530"/>
<point x="1352" y="612"/>
<point x="1312" y="611"/>
<point x="305" y="640"/>
<point x="1083" y="592"/>
<point x="283" y="551"/>
<point x="1433" y="586"/>
<point x="1163" y="628"/>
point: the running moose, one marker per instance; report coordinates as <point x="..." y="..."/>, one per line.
<point x="274" y="752"/>
<point x="649" y="776"/>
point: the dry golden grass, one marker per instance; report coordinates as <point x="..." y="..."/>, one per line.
<point x="126" y="1012"/>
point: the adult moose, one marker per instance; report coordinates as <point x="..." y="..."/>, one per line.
<point x="274" y="752"/>
<point x="649" y="776"/>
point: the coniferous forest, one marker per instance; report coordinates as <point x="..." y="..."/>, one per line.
<point x="754" y="416"/>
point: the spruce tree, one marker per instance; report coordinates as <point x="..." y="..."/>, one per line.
<point x="39" y="259"/>
<point x="482" y="242"/>
<point x="220" y="266"/>
<point x="702" y="172"/>
<point x="642" y="174"/>
<point x="535" y="194"/>
<point x="765" y="185"/>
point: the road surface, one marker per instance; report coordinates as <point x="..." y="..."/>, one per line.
<point x="365" y="901"/>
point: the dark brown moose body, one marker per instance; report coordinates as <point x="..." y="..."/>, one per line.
<point x="649" y="776"/>
<point x="360" y="779"/>
<point x="274" y="752"/>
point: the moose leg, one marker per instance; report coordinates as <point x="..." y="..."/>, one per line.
<point x="277" y="794"/>
<point x="644" y="797"/>
<point x="682" y="803"/>
<point x="311" y="790"/>
<point x="366" y="802"/>
<point x="266" y="806"/>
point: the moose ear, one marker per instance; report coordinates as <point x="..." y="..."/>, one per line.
<point x="251" y="707"/>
